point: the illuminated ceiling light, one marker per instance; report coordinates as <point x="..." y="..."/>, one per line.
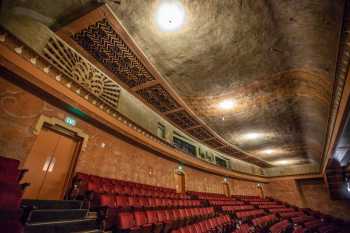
<point x="252" y="136"/>
<point x="268" y="151"/>
<point x="226" y="104"/>
<point x="282" y="162"/>
<point x="170" y="15"/>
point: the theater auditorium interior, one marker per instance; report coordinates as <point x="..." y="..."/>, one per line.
<point x="174" y="116"/>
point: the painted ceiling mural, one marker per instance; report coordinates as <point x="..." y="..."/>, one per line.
<point x="272" y="62"/>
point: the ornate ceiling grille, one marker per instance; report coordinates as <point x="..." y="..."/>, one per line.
<point x="82" y="72"/>
<point x="107" y="47"/>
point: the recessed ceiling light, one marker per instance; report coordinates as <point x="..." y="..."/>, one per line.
<point x="268" y="151"/>
<point x="170" y="15"/>
<point x="226" y="104"/>
<point x="282" y="162"/>
<point x="252" y="136"/>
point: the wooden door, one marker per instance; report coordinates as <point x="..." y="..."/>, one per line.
<point x="226" y="188"/>
<point x="180" y="182"/>
<point x="261" y="191"/>
<point x="49" y="163"/>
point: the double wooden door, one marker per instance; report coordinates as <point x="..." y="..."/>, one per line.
<point x="50" y="164"/>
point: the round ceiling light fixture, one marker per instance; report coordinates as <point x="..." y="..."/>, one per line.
<point x="268" y="151"/>
<point x="226" y="104"/>
<point x="252" y="136"/>
<point x="170" y="15"/>
<point x="284" y="162"/>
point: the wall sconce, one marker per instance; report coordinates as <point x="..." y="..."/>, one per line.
<point x="225" y="179"/>
<point x="347" y="183"/>
<point x="259" y="185"/>
<point x="150" y="171"/>
<point x="180" y="167"/>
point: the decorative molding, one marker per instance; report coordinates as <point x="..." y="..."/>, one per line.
<point x="215" y="143"/>
<point x="200" y="133"/>
<point x="52" y="121"/>
<point x="182" y="119"/>
<point x="159" y="98"/>
<point x="108" y="48"/>
<point x="74" y="66"/>
<point x="62" y="79"/>
<point x="103" y="40"/>
<point x="58" y="81"/>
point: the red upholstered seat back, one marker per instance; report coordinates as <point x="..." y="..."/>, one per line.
<point x="126" y="220"/>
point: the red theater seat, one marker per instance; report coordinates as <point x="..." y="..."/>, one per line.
<point x="246" y="215"/>
<point x="9" y="172"/>
<point x="108" y="211"/>
<point x="281" y="210"/>
<point x="10" y="196"/>
<point x="291" y="214"/>
<point x="126" y="223"/>
<point x="122" y="202"/>
<point x="280" y="227"/>
<point x="299" y="230"/>
<point x="302" y="219"/>
<point x="244" y="228"/>
<point x="312" y="224"/>
<point x="264" y="221"/>
<point x="142" y="222"/>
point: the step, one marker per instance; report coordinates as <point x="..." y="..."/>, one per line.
<point x="93" y="231"/>
<point x="47" y="215"/>
<point x="68" y="226"/>
<point x="91" y="215"/>
<point x="53" y="204"/>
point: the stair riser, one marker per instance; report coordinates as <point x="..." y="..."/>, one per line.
<point x="46" y="216"/>
<point x="62" y="228"/>
<point x="43" y="204"/>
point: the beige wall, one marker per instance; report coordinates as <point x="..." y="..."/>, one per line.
<point x="285" y="190"/>
<point x="310" y="193"/>
<point x="20" y="110"/>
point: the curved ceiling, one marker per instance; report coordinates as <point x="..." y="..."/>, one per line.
<point x="274" y="59"/>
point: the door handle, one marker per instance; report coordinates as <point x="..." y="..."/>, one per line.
<point x="47" y="163"/>
<point x="52" y="164"/>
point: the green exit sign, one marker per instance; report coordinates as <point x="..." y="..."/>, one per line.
<point x="70" y="121"/>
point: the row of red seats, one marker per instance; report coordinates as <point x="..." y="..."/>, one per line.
<point x="225" y="202"/>
<point x="270" y="206"/>
<point x="10" y="195"/>
<point x="281" y="210"/>
<point x="209" y="196"/>
<point x="280" y="227"/>
<point x="157" y="221"/>
<point x="302" y="219"/>
<point x="93" y="184"/>
<point x="234" y="209"/>
<point x="262" y="202"/>
<point x="221" y="223"/>
<point x="247" y="215"/>
<point x="244" y="228"/>
<point x="263" y="221"/>
<point x="245" y="197"/>
<point x="292" y="214"/>
<point x="132" y="202"/>
<point x="102" y="180"/>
